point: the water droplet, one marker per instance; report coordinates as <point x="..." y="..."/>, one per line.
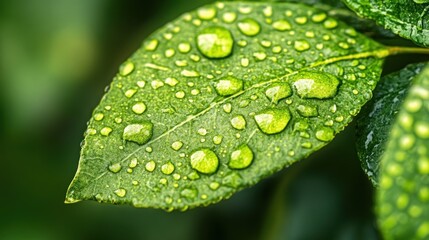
<point x="184" y="47"/>
<point x="249" y="27"/>
<point x="217" y="139"/>
<point x="325" y="134"/>
<point x="116" y="167"/>
<point x="151" y="45"/>
<point x="307" y="110"/>
<point x="272" y="120"/>
<point x="238" y="122"/>
<point x="343" y="45"/>
<point x="241" y="158"/>
<point x="282" y="25"/>
<point x="206" y="13"/>
<point x="91" y="131"/>
<point x="307" y="145"/>
<point x="318" y="17"/>
<point x="135" y="182"/>
<point x="214" y="185"/>
<point x="330" y="23"/>
<point x="169" y="52"/>
<point x="163" y="181"/>
<point x="190" y="73"/>
<point x="406" y="142"/>
<point x="315" y="85"/>
<point x="244" y="62"/>
<point x="424" y="194"/>
<point x="301" y="20"/>
<point x="126" y="68"/>
<point x="129" y="93"/>
<point x="193" y="176"/>
<point x="310" y="34"/>
<point x="139" y="108"/>
<point x="171" y="81"/>
<point x="215" y="42"/>
<point x="402" y="201"/>
<point x="118" y="120"/>
<point x="189" y="193"/>
<point x="202" y="131"/>
<point x="140" y="133"/>
<point x="120" y="192"/>
<point x="233" y="180"/>
<point x="260" y="56"/>
<point x="204" y="160"/>
<point x="98" y="116"/>
<point x="423" y="164"/>
<point x="133" y="163"/>
<point x="268" y="11"/>
<point x="167" y="168"/>
<point x="229" y="17"/>
<point x="180" y="94"/>
<point x="278" y="91"/>
<point x="181" y="63"/>
<point x="150" y="166"/>
<point x="106" y="131"/>
<point x="177" y="145"/>
<point x="422" y="129"/>
<point x="228" y="85"/>
<point x="141" y="84"/>
<point x="301" y="45"/>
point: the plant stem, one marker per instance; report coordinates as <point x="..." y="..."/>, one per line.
<point x="404" y="50"/>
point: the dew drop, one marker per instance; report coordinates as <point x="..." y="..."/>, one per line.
<point x="139" y="108"/>
<point x="180" y="94"/>
<point x="189" y="193"/>
<point x="171" y="81"/>
<point x="307" y="145"/>
<point x="204" y="160"/>
<point x="217" y="139"/>
<point x="184" y="47"/>
<point x="193" y="176"/>
<point x="281" y="25"/>
<point x="229" y="17"/>
<point x="330" y="23"/>
<point x="301" y="45"/>
<point x="139" y="133"/>
<point x="307" y="110"/>
<point x="315" y="85"/>
<point x="206" y="13"/>
<point x="244" y="62"/>
<point x="301" y="20"/>
<point x="202" y="131"/>
<point x="150" y="166"/>
<point x="151" y="45"/>
<point x="126" y="68"/>
<point x="115" y="168"/>
<point x="130" y="93"/>
<point x="422" y="129"/>
<point x="133" y="163"/>
<point x="278" y="91"/>
<point x="169" y="52"/>
<point x="167" y="168"/>
<point x="260" y="56"/>
<point x="249" y="27"/>
<point x="233" y="180"/>
<point x="272" y="120"/>
<point x="120" y="192"/>
<point x="177" y="145"/>
<point x="214" y="185"/>
<point x="106" y="131"/>
<point x="215" y="42"/>
<point x="241" y="158"/>
<point x="318" y="17"/>
<point x="325" y="134"/>
<point x="407" y="141"/>
<point x="98" y="116"/>
<point x="238" y="122"/>
<point x="141" y="84"/>
<point x="228" y="85"/>
<point x="190" y="73"/>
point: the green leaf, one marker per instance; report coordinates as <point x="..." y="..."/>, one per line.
<point x="403" y="197"/>
<point x="374" y="124"/>
<point x="219" y="99"/>
<point x="405" y="18"/>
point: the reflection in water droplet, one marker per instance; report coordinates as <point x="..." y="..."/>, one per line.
<point x="126" y="68"/>
<point x="307" y="110"/>
<point x="282" y="25"/>
<point x="325" y="134"/>
<point x="272" y="120"/>
<point x="238" y="122"/>
<point x="120" y="192"/>
<point x="315" y="85"/>
<point x="241" y="158"/>
<point x="116" y="167"/>
<point x="249" y="27"/>
<point x="140" y="133"/>
<point x="167" y="168"/>
<point x="228" y="86"/>
<point x="215" y="42"/>
<point x="278" y="91"/>
<point x="204" y="160"/>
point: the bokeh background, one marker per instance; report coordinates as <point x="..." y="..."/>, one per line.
<point x="56" y="57"/>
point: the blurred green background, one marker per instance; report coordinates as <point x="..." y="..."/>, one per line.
<point x="56" y="57"/>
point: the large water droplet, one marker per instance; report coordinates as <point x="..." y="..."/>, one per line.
<point x="140" y="133"/>
<point x="204" y="160"/>
<point x="315" y="85"/>
<point x="241" y="158"/>
<point x="325" y="134"/>
<point x="126" y="68"/>
<point x="238" y="122"/>
<point x="249" y="27"/>
<point x="278" y="91"/>
<point x="272" y="120"/>
<point x="228" y="86"/>
<point x="215" y="42"/>
<point x="167" y="168"/>
<point x="307" y="110"/>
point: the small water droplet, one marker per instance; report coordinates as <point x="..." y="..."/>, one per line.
<point x="228" y="86"/>
<point x="106" y="131"/>
<point x="307" y="145"/>
<point x="260" y="56"/>
<point x="301" y="45"/>
<point x="91" y="131"/>
<point x="422" y="129"/>
<point x="184" y="47"/>
<point x="330" y="23"/>
<point x="278" y="91"/>
<point x="214" y="185"/>
<point x="189" y="193"/>
<point x="244" y="62"/>
<point x="318" y="17"/>
<point x="129" y="93"/>
<point x="413" y="105"/>
<point x="193" y="176"/>
<point x="272" y="120"/>
<point x="180" y="94"/>
<point x="133" y="163"/>
<point x="233" y="180"/>
<point x="215" y="42"/>
<point x="190" y="73"/>
<point x="126" y="68"/>
<point x="206" y="13"/>
<point x="281" y="25"/>
<point x="98" y="116"/>
<point x="238" y="122"/>
<point x="151" y="45"/>
<point x="301" y="20"/>
<point x="307" y="110"/>
<point x="115" y="168"/>
<point x="407" y="141"/>
<point x="135" y="182"/>
<point x="229" y="17"/>
<point x="325" y="134"/>
<point x="167" y="168"/>
<point x="249" y="27"/>
<point x="171" y="81"/>
<point x="169" y="52"/>
<point x="241" y="158"/>
<point x="217" y="139"/>
<point x="118" y="120"/>
<point x="315" y="85"/>
<point x="150" y="166"/>
<point x="268" y="11"/>
<point x="140" y="133"/>
<point x="139" y="108"/>
<point x="177" y="145"/>
<point x="204" y="160"/>
<point x="120" y="192"/>
<point x="141" y="84"/>
<point x="202" y="131"/>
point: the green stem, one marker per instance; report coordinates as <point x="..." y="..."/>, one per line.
<point x="404" y="50"/>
